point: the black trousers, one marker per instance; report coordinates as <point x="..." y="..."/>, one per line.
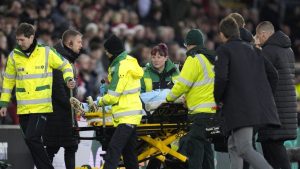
<point x="69" y="154"/>
<point x="33" y="126"/>
<point x="275" y="153"/>
<point x="122" y="142"/>
<point x="195" y="145"/>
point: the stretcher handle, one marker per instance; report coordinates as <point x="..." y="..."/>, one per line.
<point x="72" y="109"/>
<point x="102" y="86"/>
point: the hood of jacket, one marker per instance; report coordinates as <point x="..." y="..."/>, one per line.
<point x="137" y="72"/>
<point x="132" y="67"/>
<point x="279" y="39"/>
<point x="209" y="54"/>
<point x="245" y="35"/>
<point x="66" y="52"/>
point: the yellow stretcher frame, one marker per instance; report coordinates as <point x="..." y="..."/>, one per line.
<point x="158" y="146"/>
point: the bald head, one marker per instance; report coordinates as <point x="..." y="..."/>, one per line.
<point x="238" y="18"/>
<point x="264" y="30"/>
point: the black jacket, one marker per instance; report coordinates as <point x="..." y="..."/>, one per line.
<point x="246" y="35"/>
<point x="278" y="50"/>
<point x="242" y="88"/>
<point x="59" y="124"/>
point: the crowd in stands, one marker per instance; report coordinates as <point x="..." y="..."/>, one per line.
<point x="140" y="23"/>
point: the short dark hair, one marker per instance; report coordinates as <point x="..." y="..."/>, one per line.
<point x="68" y="34"/>
<point x="25" y="29"/>
<point x="229" y="27"/>
<point x="238" y="18"/>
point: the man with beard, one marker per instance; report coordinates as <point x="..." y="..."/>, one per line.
<point x="59" y="131"/>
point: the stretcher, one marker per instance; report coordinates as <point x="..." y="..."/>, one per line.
<point x="156" y="133"/>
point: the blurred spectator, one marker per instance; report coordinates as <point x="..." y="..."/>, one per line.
<point x="140" y="23"/>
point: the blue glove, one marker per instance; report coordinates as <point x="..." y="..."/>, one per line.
<point x="102" y="89"/>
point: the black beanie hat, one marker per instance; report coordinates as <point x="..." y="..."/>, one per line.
<point x="114" y="45"/>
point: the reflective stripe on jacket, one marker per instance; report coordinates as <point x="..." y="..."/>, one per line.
<point x="32" y="77"/>
<point x="196" y="81"/>
<point x="124" y="75"/>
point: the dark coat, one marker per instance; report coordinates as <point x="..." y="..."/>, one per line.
<point x="246" y="35"/>
<point x="242" y="88"/>
<point x="59" y="123"/>
<point x="278" y="50"/>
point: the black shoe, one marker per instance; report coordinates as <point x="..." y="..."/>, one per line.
<point x="174" y="163"/>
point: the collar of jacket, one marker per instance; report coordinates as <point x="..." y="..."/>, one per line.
<point x="119" y="58"/>
<point x="66" y="52"/>
<point x="246" y="35"/>
<point x="235" y="38"/>
<point x="29" y="50"/>
<point x="209" y="54"/>
<point x="168" y="67"/>
<point x="278" y="39"/>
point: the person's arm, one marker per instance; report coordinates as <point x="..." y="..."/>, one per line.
<point x="56" y="61"/>
<point x="185" y="80"/>
<point x="271" y="71"/>
<point x="221" y="73"/>
<point x="9" y="81"/>
<point x="115" y="88"/>
<point x="60" y="93"/>
<point x="269" y="54"/>
<point x="143" y="85"/>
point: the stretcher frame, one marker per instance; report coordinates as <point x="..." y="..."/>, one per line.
<point x="156" y="137"/>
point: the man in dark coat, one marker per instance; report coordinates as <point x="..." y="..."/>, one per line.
<point x="59" y="131"/>
<point x="245" y="93"/>
<point x="276" y="46"/>
<point x="246" y="36"/>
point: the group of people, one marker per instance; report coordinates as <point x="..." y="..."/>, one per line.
<point x="248" y="80"/>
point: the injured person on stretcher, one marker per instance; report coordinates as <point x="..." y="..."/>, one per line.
<point x="162" y="126"/>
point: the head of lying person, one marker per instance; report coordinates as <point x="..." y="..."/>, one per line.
<point x="159" y="56"/>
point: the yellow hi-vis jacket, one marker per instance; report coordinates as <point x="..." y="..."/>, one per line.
<point x="196" y="81"/>
<point x="32" y="77"/>
<point x="123" y="93"/>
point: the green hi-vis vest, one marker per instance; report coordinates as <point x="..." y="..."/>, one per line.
<point x="196" y="81"/>
<point x="154" y="80"/>
<point x="123" y="93"/>
<point x="32" y="77"/>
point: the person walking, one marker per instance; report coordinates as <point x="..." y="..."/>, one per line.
<point x="243" y="90"/>
<point x="59" y="131"/>
<point x="196" y="81"/>
<point x="124" y="75"/>
<point x="29" y="69"/>
<point x="276" y="46"/>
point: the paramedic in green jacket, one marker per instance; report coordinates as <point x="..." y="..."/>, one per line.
<point x="124" y="75"/>
<point x="161" y="72"/>
<point x="196" y="82"/>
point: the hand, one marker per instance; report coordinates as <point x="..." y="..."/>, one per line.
<point x="184" y="102"/>
<point x="71" y="84"/>
<point x="256" y="42"/>
<point x="3" y="111"/>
